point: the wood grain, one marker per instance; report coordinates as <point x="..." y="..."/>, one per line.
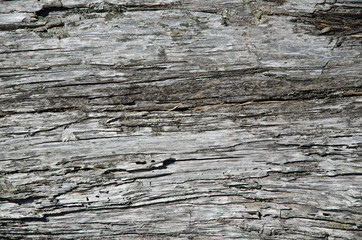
<point x="180" y="119"/>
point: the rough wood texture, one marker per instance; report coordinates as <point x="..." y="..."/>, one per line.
<point x="180" y="119"/>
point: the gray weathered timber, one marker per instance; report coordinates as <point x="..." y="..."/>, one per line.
<point x="220" y="119"/>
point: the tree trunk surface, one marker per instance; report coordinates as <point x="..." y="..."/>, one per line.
<point x="168" y="119"/>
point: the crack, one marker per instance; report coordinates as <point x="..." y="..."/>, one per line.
<point x="76" y="169"/>
<point x="26" y="219"/>
<point x="245" y="186"/>
<point x="45" y="110"/>
<point x="236" y="72"/>
<point x="163" y="165"/>
<point x="208" y="11"/>
<point x="311" y="145"/>
<point x="300" y="161"/>
<point x="45" y="11"/>
<point x="89" y="84"/>
<point x="109" y="171"/>
<point x="149" y="176"/>
<point x="29" y="50"/>
<point x="298" y="173"/>
<point x="21" y="201"/>
<point x="145" y="7"/>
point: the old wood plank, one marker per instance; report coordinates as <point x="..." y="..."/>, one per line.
<point x="180" y="119"/>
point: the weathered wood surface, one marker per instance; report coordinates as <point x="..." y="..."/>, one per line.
<point x="180" y="119"/>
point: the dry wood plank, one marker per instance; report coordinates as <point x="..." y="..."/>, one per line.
<point x="180" y="119"/>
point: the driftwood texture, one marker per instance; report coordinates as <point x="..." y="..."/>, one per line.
<point x="175" y="119"/>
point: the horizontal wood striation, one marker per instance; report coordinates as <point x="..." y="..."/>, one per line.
<point x="180" y="119"/>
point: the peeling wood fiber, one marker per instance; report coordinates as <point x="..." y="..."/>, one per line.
<point x="169" y="119"/>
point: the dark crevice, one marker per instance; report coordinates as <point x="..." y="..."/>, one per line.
<point x="77" y="169"/>
<point x="143" y="7"/>
<point x="28" y="50"/>
<point x="46" y="110"/>
<point x="55" y="110"/>
<point x="96" y="8"/>
<point x="164" y="165"/>
<point x="141" y="162"/>
<point x="151" y="176"/>
<point x="156" y="68"/>
<point x="237" y="72"/>
<point x="87" y="84"/>
<point x="114" y="170"/>
<point x="26" y="219"/>
<point x="210" y="11"/>
<point x="299" y="173"/>
<point x="279" y="2"/>
<point x="21" y="201"/>
<point x="45" y="11"/>
<point x="245" y="186"/>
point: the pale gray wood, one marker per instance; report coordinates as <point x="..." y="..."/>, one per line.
<point x="180" y="119"/>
